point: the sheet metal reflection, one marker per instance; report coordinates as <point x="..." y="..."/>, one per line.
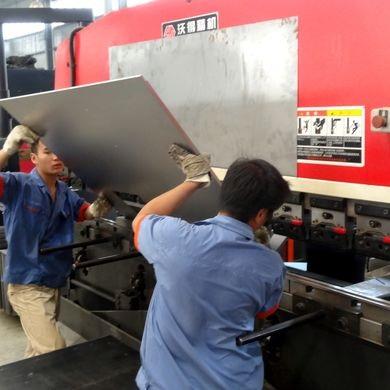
<point x="115" y="136"/>
<point x="233" y="91"/>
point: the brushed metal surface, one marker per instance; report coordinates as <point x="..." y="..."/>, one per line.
<point x="114" y="135"/>
<point x="334" y="295"/>
<point x="233" y="90"/>
<point x="376" y="288"/>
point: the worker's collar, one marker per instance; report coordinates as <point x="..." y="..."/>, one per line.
<point x="234" y="225"/>
<point x="41" y="183"/>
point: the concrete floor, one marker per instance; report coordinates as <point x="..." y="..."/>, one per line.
<point x="13" y="341"/>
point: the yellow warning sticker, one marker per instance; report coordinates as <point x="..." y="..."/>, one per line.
<point x="345" y="112"/>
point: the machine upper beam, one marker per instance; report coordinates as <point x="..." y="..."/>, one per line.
<point x="45" y="15"/>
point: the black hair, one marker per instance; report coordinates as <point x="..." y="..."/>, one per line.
<point x="252" y="185"/>
<point x="34" y="146"/>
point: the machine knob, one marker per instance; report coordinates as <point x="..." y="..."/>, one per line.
<point x="296" y="222"/>
<point x="318" y="233"/>
<point x="342" y="323"/>
<point x="374" y="224"/>
<point x="379" y="121"/>
<point x="300" y="306"/>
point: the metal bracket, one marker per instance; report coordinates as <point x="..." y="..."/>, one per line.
<point x="337" y="319"/>
<point x="386" y="335"/>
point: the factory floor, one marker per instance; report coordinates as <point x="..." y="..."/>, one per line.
<point x="13" y="340"/>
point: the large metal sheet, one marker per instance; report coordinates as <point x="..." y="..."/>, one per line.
<point x="233" y="90"/>
<point x="115" y="136"/>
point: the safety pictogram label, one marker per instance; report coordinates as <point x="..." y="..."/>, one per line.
<point x="331" y="135"/>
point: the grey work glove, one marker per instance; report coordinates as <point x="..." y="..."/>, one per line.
<point x="18" y="135"/>
<point x="195" y="167"/>
<point x="262" y="236"/>
<point x="100" y="207"/>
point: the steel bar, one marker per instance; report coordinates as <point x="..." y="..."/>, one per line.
<point x="49" y="47"/>
<point x="4" y="92"/>
<point x="106" y="260"/>
<point x="283" y="326"/>
<point x="48" y="41"/>
<point x="93" y="290"/>
<point x="45" y="251"/>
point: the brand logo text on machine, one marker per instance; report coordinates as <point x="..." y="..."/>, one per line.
<point x="190" y="25"/>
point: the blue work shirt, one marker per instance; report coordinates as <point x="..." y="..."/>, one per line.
<point x="212" y="280"/>
<point x="33" y="221"/>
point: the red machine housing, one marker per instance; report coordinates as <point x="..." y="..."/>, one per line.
<point x="343" y="57"/>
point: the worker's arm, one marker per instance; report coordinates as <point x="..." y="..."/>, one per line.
<point x="17" y="136"/>
<point x="196" y="169"/>
<point x="273" y="293"/>
<point x="83" y="210"/>
<point x="8" y="181"/>
<point x="167" y="203"/>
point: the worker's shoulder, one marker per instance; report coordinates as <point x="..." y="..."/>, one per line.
<point x="18" y="176"/>
<point x="268" y="252"/>
<point x="167" y="219"/>
<point x="164" y="222"/>
<point x="267" y="257"/>
<point x="173" y="225"/>
<point x="65" y="188"/>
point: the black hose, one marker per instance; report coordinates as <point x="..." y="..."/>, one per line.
<point x="72" y="56"/>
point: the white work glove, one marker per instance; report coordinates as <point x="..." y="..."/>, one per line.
<point x="18" y="135"/>
<point x="195" y="167"/>
<point x="100" y="207"/>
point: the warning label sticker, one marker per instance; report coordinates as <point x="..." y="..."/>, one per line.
<point x="331" y="135"/>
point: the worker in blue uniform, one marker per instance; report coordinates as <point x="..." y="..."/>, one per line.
<point x="39" y="212"/>
<point x="213" y="278"/>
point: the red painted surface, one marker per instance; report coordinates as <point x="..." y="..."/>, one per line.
<point x="340" y="231"/>
<point x="296" y="222"/>
<point x="25" y="165"/>
<point x="343" y="57"/>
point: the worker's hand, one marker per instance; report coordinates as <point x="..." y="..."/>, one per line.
<point x="18" y="135"/>
<point x="100" y="207"/>
<point x="195" y="167"/>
